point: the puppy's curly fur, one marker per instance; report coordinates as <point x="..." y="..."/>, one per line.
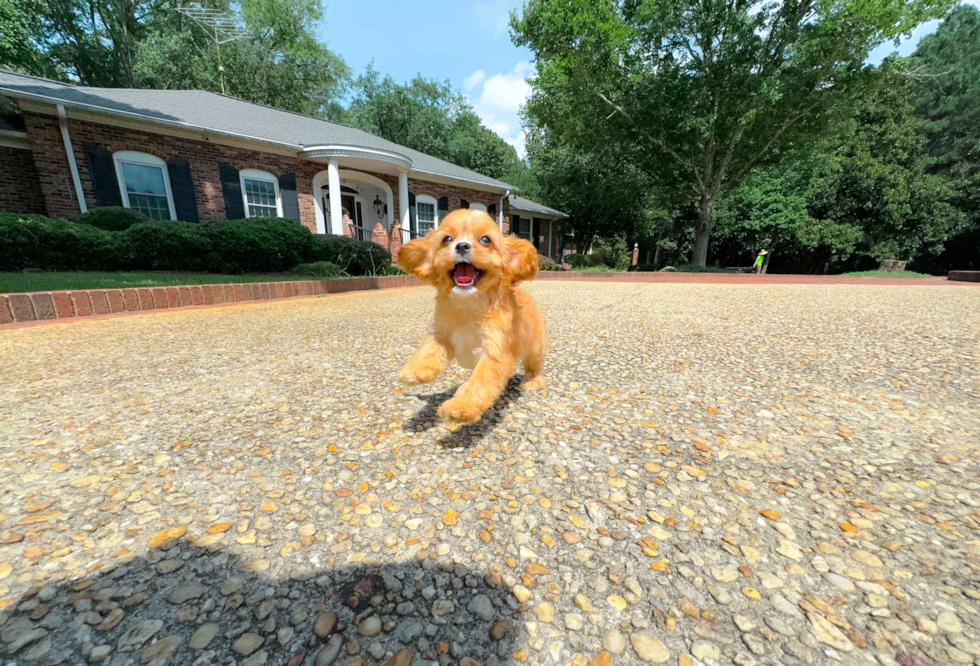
<point x="483" y="319"/>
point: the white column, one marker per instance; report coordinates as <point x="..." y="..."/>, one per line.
<point x="403" y="205"/>
<point x="333" y="185"/>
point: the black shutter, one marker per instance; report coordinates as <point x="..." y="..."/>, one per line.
<point x="443" y="209"/>
<point x="231" y="188"/>
<point x="463" y="203"/>
<point x="103" y="171"/>
<point x="515" y="225"/>
<point x="492" y="211"/>
<point x="182" y="187"/>
<point x="412" y="222"/>
<point x="290" y="201"/>
<point x="536" y="232"/>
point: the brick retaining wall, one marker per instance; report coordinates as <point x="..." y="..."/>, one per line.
<point x="42" y="305"/>
<point x="964" y="276"/>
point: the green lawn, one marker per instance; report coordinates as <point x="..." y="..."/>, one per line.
<point x="17" y="282"/>
<point x="903" y="274"/>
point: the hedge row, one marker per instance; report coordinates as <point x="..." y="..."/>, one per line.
<point x="228" y="246"/>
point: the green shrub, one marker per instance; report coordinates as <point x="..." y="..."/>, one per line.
<point x="230" y="246"/>
<point x="263" y="245"/>
<point x="644" y="268"/>
<point x="35" y="241"/>
<point x="165" y="245"/>
<point x="546" y="263"/>
<point x="112" y="218"/>
<point x="578" y="260"/>
<point x="318" y="269"/>
<point x="353" y="256"/>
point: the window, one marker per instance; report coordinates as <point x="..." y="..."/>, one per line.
<point x="478" y="206"/>
<point x="144" y="184"/>
<point x="425" y="212"/>
<point x="260" y="190"/>
<point x="524" y="227"/>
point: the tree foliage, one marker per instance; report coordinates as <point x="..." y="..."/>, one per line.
<point x="431" y="117"/>
<point x="710" y="88"/>
<point x="864" y="191"/>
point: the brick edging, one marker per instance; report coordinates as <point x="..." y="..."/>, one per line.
<point x="964" y="276"/>
<point x="79" y="303"/>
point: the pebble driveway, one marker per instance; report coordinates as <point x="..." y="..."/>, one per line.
<point x="715" y="474"/>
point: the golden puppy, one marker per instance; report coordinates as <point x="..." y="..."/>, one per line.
<point x="483" y="319"/>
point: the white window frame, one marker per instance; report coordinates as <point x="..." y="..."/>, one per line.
<point x="264" y="176"/>
<point x="426" y="199"/>
<point x="142" y="159"/>
<point x="530" y="227"/>
<point x="478" y="206"/>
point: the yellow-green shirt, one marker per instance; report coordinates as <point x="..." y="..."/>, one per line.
<point x="758" y="261"/>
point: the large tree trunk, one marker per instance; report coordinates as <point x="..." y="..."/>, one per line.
<point x="703" y="230"/>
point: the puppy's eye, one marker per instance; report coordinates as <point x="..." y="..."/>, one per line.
<point x="485" y="240"/>
<point x="447" y="239"/>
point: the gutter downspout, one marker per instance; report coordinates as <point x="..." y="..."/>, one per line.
<point x="500" y="211"/>
<point x="63" y="123"/>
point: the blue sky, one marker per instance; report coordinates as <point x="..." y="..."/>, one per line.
<point x="466" y="42"/>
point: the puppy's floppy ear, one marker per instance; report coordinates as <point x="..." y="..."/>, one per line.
<point x="523" y="259"/>
<point x="414" y="258"/>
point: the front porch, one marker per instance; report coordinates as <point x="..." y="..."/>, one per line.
<point x="368" y="194"/>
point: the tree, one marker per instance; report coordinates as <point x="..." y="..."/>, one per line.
<point x="431" y="117"/>
<point x="946" y="71"/>
<point x="148" y="44"/>
<point x="864" y="191"/>
<point x="946" y="83"/>
<point x="712" y="89"/>
<point x="601" y="192"/>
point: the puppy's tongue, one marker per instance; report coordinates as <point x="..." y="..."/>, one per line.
<point x="465" y="274"/>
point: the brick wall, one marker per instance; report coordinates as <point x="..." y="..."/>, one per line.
<point x="20" y="188"/>
<point x="59" y="194"/>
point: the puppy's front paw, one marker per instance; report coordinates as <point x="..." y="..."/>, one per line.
<point x="460" y="410"/>
<point x="535" y="383"/>
<point x="419" y="372"/>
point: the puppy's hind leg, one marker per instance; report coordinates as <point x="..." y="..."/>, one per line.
<point x="534" y="365"/>
<point x="427" y="362"/>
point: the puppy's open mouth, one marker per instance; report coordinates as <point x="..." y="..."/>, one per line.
<point x="466" y="275"/>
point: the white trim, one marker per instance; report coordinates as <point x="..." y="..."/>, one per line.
<point x="338" y="150"/>
<point x="70" y="153"/>
<point x="14" y="139"/>
<point x="426" y="199"/>
<point x="478" y="206"/>
<point x="143" y="159"/>
<point x="265" y="177"/>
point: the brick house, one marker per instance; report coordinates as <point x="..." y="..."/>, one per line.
<point x="193" y="156"/>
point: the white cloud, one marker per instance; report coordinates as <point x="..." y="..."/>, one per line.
<point x="474" y="79"/>
<point x="494" y="15"/>
<point x="500" y="101"/>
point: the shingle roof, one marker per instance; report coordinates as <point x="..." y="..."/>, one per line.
<point x="528" y="206"/>
<point x="199" y="109"/>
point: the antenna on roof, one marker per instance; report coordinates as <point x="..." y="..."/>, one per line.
<point x="222" y="27"/>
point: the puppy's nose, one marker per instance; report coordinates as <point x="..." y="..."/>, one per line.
<point x="462" y="247"/>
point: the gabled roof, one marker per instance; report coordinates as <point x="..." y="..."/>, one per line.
<point x="208" y="111"/>
<point x="522" y="205"/>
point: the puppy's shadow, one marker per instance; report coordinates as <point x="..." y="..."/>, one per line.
<point x="465" y="436"/>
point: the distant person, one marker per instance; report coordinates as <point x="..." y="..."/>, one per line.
<point x="759" y="259"/>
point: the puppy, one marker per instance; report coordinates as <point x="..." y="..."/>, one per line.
<point x="483" y="319"/>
